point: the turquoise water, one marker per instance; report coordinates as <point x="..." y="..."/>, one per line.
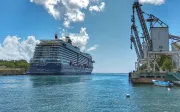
<point x="84" y="93"/>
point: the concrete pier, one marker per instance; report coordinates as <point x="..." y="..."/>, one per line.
<point x="146" y="78"/>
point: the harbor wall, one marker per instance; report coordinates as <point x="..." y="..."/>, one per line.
<point x="146" y="78"/>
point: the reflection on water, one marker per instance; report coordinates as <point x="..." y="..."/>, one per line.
<point x="84" y="93"/>
<point x="50" y="80"/>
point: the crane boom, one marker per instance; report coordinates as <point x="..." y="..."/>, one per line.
<point x="134" y="29"/>
<point x="138" y="41"/>
<point x="135" y="46"/>
<point x="139" y="11"/>
<point x="174" y="37"/>
<point x="153" y="20"/>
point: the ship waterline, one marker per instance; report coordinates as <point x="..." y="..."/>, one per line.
<point x="58" y="69"/>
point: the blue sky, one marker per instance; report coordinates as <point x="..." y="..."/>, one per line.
<point x="110" y="28"/>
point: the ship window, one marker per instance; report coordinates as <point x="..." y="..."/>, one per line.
<point x="160" y="47"/>
<point x="64" y="44"/>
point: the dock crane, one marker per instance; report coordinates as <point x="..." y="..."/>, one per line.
<point x="142" y="52"/>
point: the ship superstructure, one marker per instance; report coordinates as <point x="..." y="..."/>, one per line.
<point x="59" y="57"/>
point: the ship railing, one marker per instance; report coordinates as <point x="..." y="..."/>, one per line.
<point x="176" y="75"/>
<point x="46" y="40"/>
<point x="50" y="60"/>
<point x="53" y="42"/>
<point x="67" y="45"/>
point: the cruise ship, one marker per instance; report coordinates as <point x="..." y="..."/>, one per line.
<point x="59" y="57"/>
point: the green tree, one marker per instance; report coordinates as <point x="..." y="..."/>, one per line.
<point x="167" y="64"/>
<point x="160" y="59"/>
<point x="15" y="64"/>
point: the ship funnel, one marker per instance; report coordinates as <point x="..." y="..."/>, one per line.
<point x="56" y="36"/>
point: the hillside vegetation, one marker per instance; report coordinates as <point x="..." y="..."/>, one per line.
<point x="14" y="64"/>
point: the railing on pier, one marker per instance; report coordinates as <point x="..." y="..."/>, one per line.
<point x="148" y="75"/>
<point x="173" y="76"/>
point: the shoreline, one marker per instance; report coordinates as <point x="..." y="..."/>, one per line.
<point x="13" y="74"/>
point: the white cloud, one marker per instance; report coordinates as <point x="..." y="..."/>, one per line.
<point x="69" y="10"/>
<point x="66" y="23"/>
<point x="79" y="39"/>
<point x="155" y="2"/>
<point x="97" y="8"/>
<point x="14" y="49"/>
<point x="92" y="48"/>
